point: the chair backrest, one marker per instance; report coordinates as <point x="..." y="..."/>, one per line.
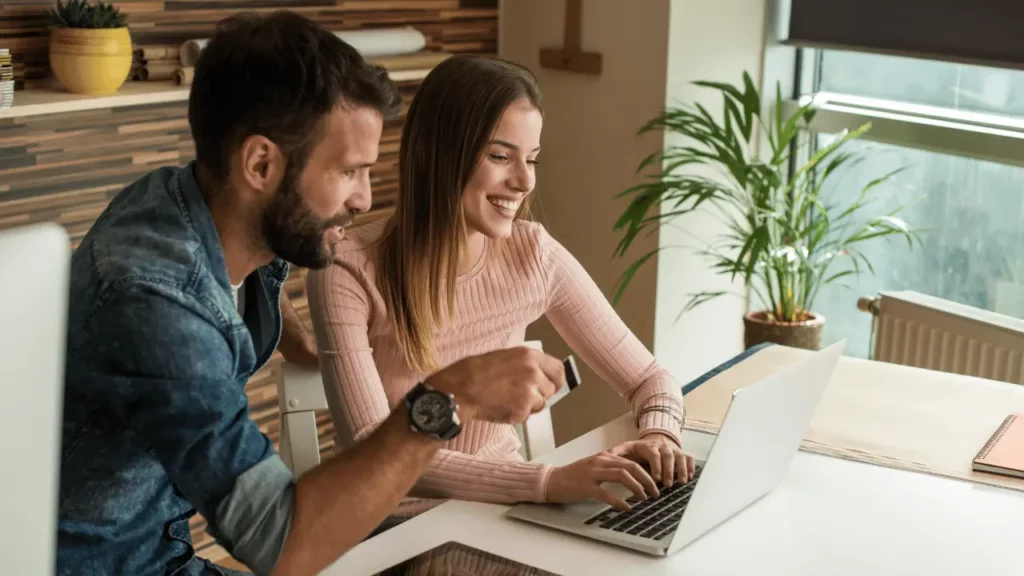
<point x="300" y="393"/>
<point x="537" y="434"/>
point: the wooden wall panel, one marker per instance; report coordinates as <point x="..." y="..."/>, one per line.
<point x="448" y="25"/>
<point x="66" y="167"/>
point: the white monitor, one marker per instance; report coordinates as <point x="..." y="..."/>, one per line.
<point x="34" y="276"/>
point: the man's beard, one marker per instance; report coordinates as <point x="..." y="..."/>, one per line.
<point x="291" y="229"/>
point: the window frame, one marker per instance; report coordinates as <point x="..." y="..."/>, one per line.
<point x="978" y="135"/>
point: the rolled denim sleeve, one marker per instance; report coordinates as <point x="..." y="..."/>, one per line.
<point x="171" y="371"/>
<point x="253" y="519"/>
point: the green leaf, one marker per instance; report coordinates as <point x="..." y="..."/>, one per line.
<point x="631" y="271"/>
<point x="751" y="98"/>
<point x="839" y="275"/>
<point x="79" y="14"/>
<point x="827" y="151"/>
<point x="698" y="299"/>
<point x="649" y="161"/>
<point x="727" y="89"/>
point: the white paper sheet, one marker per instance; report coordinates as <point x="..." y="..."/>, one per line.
<point x="369" y="43"/>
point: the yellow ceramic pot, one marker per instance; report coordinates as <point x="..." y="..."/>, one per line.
<point x="91" y="60"/>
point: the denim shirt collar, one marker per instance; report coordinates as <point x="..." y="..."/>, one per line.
<point x="197" y="214"/>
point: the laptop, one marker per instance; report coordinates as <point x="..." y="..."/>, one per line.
<point x="34" y="266"/>
<point x="760" y="434"/>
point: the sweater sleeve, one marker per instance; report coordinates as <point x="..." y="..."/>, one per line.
<point x="340" y="310"/>
<point x="586" y="320"/>
<point x="340" y="307"/>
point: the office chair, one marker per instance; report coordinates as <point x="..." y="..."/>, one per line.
<point x="300" y="393"/>
<point x="537" y="434"/>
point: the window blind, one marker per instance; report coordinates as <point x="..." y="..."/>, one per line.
<point x="986" y="32"/>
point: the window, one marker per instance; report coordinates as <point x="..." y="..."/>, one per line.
<point x="944" y="84"/>
<point x="971" y="210"/>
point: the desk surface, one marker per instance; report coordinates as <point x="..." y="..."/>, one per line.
<point x="829" y="516"/>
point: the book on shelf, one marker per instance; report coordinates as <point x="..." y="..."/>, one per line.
<point x="6" y="90"/>
<point x="6" y="77"/>
<point x="1004" y="451"/>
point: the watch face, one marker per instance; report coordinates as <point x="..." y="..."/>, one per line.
<point x="432" y="412"/>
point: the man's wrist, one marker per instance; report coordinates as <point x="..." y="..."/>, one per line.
<point x="466" y="409"/>
<point x="466" y="412"/>
<point x="433" y="412"/>
<point x="401" y="413"/>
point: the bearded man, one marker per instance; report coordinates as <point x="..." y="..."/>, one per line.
<point x="175" y="302"/>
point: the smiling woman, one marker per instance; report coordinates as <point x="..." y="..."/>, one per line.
<point x="460" y="271"/>
<point x="503" y="178"/>
<point x="445" y="214"/>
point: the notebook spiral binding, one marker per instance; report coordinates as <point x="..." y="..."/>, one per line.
<point x="995" y="437"/>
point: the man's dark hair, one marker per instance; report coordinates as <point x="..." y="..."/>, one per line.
<point x="277" y="76"/>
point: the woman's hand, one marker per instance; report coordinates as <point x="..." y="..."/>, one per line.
<point x="582" y="479"/>
<point x="667" y="461"/>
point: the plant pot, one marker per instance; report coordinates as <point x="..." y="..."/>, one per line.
<point x="91" y="60"/>
<point x="758" y="329"/>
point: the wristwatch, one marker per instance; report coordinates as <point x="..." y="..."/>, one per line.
<point x="433" y="412"/>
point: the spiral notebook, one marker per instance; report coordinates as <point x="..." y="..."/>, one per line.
<point x="1004" y="452"/>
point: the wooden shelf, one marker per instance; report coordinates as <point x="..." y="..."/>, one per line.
<point x="54" y="101"/>
<point x="42" y="101"/>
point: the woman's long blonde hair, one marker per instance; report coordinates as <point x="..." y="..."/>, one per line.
<point x="450" y="121"/>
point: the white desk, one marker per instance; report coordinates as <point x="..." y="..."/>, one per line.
<point x="830" y="517"/>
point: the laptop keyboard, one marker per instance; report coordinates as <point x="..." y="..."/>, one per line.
<point x="654" y="518"/>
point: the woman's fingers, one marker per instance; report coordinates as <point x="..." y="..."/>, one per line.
<point x="620" y="476"/>
<point x="638" y="472"/>
<point x="682" y="468"/>
<point x="668" y="466"/>
<point x="612" y="500"/>
<point x="651" y="455"/>
<point x="635" y="472"/>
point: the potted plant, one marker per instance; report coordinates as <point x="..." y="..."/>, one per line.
<point x="787" y="236"/>
<point x="90" y="47"/>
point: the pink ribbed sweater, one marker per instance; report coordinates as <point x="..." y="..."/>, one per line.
<point x="514" y="283"/>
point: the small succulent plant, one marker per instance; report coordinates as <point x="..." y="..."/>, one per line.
<point x="79" y="14"/>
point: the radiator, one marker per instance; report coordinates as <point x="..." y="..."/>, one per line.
<point x="927" y="332"/>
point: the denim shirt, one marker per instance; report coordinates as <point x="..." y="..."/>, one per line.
<point x="156" y="422"/>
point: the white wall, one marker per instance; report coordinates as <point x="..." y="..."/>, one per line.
<point x="709" y="40"/>
<point x="590" y="152"/>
